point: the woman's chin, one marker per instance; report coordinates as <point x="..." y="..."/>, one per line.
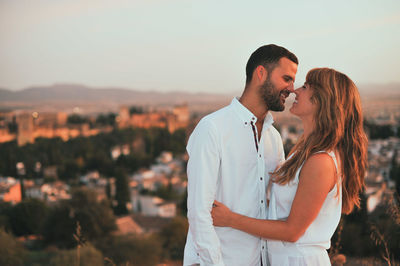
<point x="293" y="112"/>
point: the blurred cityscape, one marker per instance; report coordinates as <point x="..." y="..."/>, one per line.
<point x="107" y="182"/>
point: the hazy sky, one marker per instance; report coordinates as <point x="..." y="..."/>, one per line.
<point x="190" y="45"/>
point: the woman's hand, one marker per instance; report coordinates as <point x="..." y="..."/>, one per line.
<point x="221" y="215"/>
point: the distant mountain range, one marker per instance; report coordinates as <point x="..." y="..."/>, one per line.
<point x="71" y="94"/>
<point x="65" y="96"/>
<point x="80" y="93"/>
<point x="383" y="90"/>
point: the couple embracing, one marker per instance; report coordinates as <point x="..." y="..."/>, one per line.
<point x="249" y="206"/>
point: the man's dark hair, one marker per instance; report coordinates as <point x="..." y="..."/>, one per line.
<point x="267" y="56"/>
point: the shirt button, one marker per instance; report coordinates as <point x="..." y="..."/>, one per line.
<point x="245" y="123"/>
<point x="262" y="201"/>
<point x="259" y="155"/>
<point x="261" y="178"/>
<point x="262" y="247"/>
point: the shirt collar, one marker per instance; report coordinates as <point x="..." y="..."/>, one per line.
<point x="247" y="117"/>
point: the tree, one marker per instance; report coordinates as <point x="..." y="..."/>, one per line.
<point x="395" y="173"/>
<point x="68" y="170"/>
<point x="96" y="219"/>
<point x="106" y="120"/>
<point x="136" y="110"/>
<point x="59" y="227"/>
<point x="12" y="253"/>
<point x="183" y="203"/>
<point x="122" y="193"/>
<point x="355" y="239"/>
<point x="77" y="119"/>
<point x="89" y="256"/>
<point x="28" y="217"/>
<point x="173" y="238"/>
<point x="378" y="131"/>
<point x="5" y="211"/>
<point x="131" y="250"/>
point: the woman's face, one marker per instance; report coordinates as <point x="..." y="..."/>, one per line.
<point x="303" y="107"/>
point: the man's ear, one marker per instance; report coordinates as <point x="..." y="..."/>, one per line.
<point x="261" y="73"/>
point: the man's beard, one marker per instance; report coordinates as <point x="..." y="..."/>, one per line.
<point x="272" y="97"/>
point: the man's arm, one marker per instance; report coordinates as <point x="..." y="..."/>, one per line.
<point x="317" y="178"/>
<point x="202" y="170"/>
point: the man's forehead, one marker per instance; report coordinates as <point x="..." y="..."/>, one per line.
<point x="287" y="65"/>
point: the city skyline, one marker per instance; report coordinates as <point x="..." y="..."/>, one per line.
<point x="190" y="45"/>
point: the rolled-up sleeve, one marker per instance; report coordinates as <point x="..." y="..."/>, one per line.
<point x="203" y="172"/>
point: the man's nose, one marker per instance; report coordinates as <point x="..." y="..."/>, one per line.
<point x="291" y="87"/>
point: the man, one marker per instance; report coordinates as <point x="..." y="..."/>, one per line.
<point x="231" y="153"/>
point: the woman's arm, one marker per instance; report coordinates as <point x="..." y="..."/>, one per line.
<point x="317" y="178"/>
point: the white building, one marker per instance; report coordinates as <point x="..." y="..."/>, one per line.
<point x="152" y="206"/>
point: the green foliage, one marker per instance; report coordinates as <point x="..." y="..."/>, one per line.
<point x="378" y="131"/>
<point x="395" y="172"/>
<point x="374" y="234"/>
<point x="39" y="257"/>
<point x="355" y="242"/>
<point x="183" y="204"/>
<point x="173" y="238"/>
<point x="68" y="170"/>
<point x="160" y="139"/>
<point x="77" y="119"/>
<point x="134" y="162"/>
<point x="178" y="142"/>
<point x="59" y="227"/>
<point x="5" y="211"/>
<point x="12" y="127"/>
<point x="28" y="216"/>
<point x="106" y="119"/>
<point x="122" y="194"/>
<point x="100" y="161"/>
<point x="131" y="250"/>
<point x="79" y="155"/>
<point x="8" y="158"/>
<point x="167" y="193"/>
<point x="12" y="253"/>
<point x="136" y="110"/>
<point x="96" y="219"/>
<point x="89" y="256"/>
<point x="385" y="230"/>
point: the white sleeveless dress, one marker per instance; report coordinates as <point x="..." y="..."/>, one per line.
<point x="311" y="248"/>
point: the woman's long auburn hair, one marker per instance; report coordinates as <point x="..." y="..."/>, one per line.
<point x="338" y="127"/>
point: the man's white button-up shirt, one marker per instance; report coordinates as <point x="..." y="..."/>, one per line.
<point x="227" y="163"/>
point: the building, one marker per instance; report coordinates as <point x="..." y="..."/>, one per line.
<point x="32" y="125"/>
<point x="126" y="225"/>
<point x="150" y="224"/>
<point x="25" y="129"/>
<point x="175" y="119"/>
<point x="10" y="190"/>
<point x="153" y="206"/>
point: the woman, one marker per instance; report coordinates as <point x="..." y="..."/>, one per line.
<point x="321" y="178"/>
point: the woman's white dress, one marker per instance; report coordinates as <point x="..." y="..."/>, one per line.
<point x="311" y="248"/>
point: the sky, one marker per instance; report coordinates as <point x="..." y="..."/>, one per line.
<point x="191" y="45"/>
